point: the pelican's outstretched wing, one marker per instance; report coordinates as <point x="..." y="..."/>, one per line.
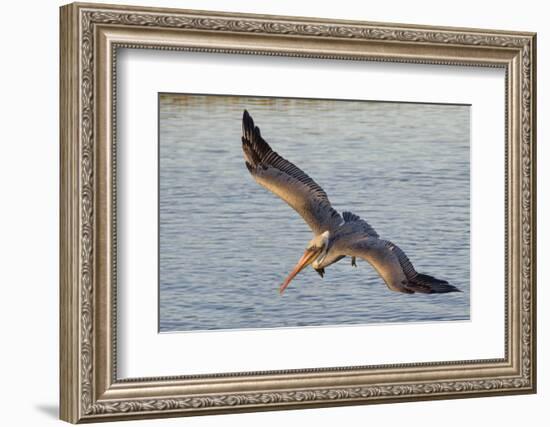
<point x="286" y="180"/>
<point x="394" y="267"/>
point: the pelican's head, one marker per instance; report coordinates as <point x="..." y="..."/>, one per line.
<point x="316" y="251"/>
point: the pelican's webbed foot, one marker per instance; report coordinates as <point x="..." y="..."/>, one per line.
<point x="353" y="263"/>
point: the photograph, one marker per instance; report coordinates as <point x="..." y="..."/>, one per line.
<point x="392" y="244"/>
<point x="265" y="209"/>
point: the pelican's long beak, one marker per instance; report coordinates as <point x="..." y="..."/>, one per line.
<point x="308" y="257"/>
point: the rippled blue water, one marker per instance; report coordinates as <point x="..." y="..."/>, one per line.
<point x="226" y="243"/>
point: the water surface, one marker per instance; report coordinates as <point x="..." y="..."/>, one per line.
<point x="226" y="243"/>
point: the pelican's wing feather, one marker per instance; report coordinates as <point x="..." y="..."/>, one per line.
<point x="395" y="268"/>
<point x="286" y="180"/>
<point x="357" y="224"/>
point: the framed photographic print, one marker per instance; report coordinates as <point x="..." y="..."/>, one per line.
<point x="266" y="212"/>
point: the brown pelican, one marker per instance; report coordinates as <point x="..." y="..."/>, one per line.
<point x="335" y="236"/>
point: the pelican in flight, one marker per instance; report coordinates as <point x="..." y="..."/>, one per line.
<point x="335" y="236"/>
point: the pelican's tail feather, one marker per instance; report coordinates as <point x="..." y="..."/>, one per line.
<point x="426" y="284"/>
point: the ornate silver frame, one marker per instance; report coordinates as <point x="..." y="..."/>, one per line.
<point x="90" y="36"/>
